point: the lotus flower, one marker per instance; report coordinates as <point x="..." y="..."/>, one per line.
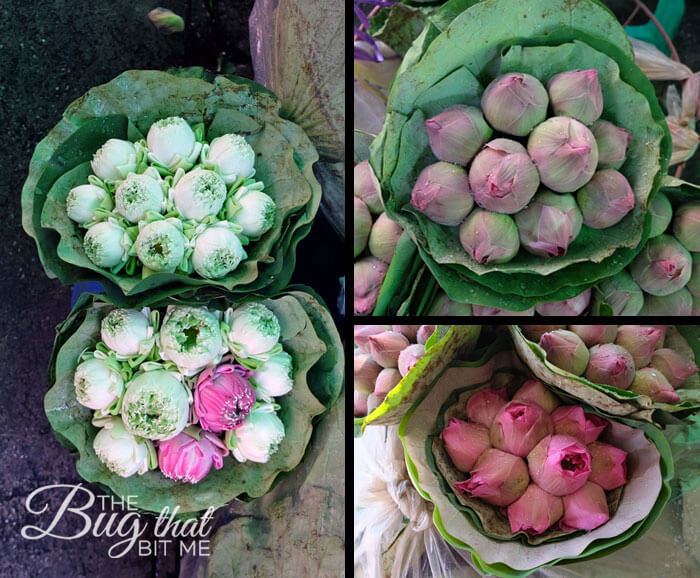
<point x="368" y="275"/>
<point x="223" y="396"/>
<point x="564" y="152"/>
<point x="568" y="307"/>
<point x="274" y="378"/>
<point x="97" y="384"/>
<point x="457" y="133"/>
<point x="663" y="267"/>
<point x="661" y="214"/>
<point x="502" y="177"/>
<point x="123" y="453"/>
<point x="385" y="347"/>
<point x="612" y="142"/>
<point x="608" y="465"/>
<point x="160" y="245"/>
<point x="366" y="187"/>
<point x="559" y="464"/>
<point x="259" y="437"/>
<point x="188" y="459"/>
<point x="442" y="305"/>
<point x="622" y="294"/>
<point x="424" y="332"/>
<point x="485" y="405"/>
<point x="388" y="379"/>
<point x="651" y="382"/>
<point x="571" y="420"/>
<point x="172" y="144"/>
<point x="595" y="334"/>
<point x="253" y="211"/>
<point x="362" y="332"/>
<point x="489" y="237"/>
<point x="107" y="244"/>
<point x="127" y="332"/>
<point x="675" y="368"/>
<point x="585" y="509"/>
<point x="565" y="350"/>
<point x="191" y="338"/>
<point x="498" y="478"/>
<point x="610" y="364"/>
<point x="366" y="371"/>
<point x="605" y="199"/>
<point x="576" y="93"/>
<point x="549" y="224"/>
<point x="465" y="442"/>
<point x="686" y="226"/>
<point x="231" y="156"/>
<point x="383" y="238"/>
<point x="534" y="391"/>
<point x="677" y="304"/>
<point x="138" y="195"/>
<point x="640" y="341"/>
<point x="362" y="222"/>
<point x="534" y="332"/>
<point x="360" y="404"/>
<point x="514" y="103"/>
<point x="409" y="357"/>
<point x="83" y="200"/>
<point x="535" y="511"/>
<point x="198" y="194"/>
<point x="442" y="193"/>
<point x="519" y="426"/>
<point x="114" y="160"/>
<point x="410" y="331"/>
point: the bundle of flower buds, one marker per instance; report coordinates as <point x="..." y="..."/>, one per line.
<point x="544" y="465"/>
<point x="179" y="394"/>
<point x="172" y="202"/>
<point x="630" y="357"/>
<point x="384" y="354"/>
<point x="539" y="181"/>
<point x="374" y="242"/>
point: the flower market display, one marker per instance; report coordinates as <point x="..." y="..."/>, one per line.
<point x="202" y="185"/>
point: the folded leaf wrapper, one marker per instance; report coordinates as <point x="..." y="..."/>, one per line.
<point x="125" y="108"/>
<point x="307" y="334"/>
<point x="642" y="499"/>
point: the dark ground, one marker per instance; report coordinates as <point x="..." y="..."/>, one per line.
<point x="51" y="52"/>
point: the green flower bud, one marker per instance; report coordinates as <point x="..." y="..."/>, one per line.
<point x="457" y="133"/>
<point x="566" y="350"/>
<point x="489" y="237"/>
<point x="678" y="304"/>
<point x="622" y="294"/>
<point x="686" y="225"/>
<point x="514" y="103"/>
<point x="442" y="305"/>
<point x="605" y="199"/>
<point x="661" y="214"/>
<point x="612" y="142"/>
<point x="663" y="266"/>
<point x="576" y="93"/>
<point x="384" y="237"/>
<point x="366" y="187"/>
<point x="694" y="282"/>
<point x="651" y="382"/>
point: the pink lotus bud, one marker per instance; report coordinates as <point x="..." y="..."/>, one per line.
<point x="362" y="333"/>
<point x="559" y="464"/>
<point x="686" y="225"/>
<point x="485" y="311"/>
<point x="187" y="459"/>
<point x="661" y="213"/>
<point x="485" y="405"/>
<point x="610" y="364"/>
<point x="519" y="426"/>
<point x="585" y="509"/>
<point x="502" y="177"/>
<point x="535" y="511"/>
<point x="383" y="238"/>
<point x="569" y="307"/>
<point x="595" y="334"/>
<point x="534" y="391"/>
<point x="677" y="304"/>
<point x="605" y="199"/>
<point x="465" y="442"/>
<point x="424" y="333"/>
<point x="571" y="420"/>
<point x="410" y="331"/>
<point x="366" y="187"/>
<point x="621" y="293"/>
<point x="223" y="397"/>
<point x="534" y="332"/>
<point x="368" y="274"/>
<point x="489" y="237"/>
<point x="373" y="402"/>
<point x="612" y="142"/>
<point x="549" y="224"/>
<point x="608" y="465"/>
<point x="498" y="478"/>
<point x="385" y="347"/>
<point x="442" y="305"/>
<point x="362" y="222"/>
<point x="640" y="341"/>
<point x="565" y="350"/>
<point x="360" y="404"/>
<point x="673" y="365"/>
<point x="442" y="193"/>
<point x="576" y="93"/>
<point x="663" y="266"/>
<point x="514" y="103"/>
<point x="651" y="382"/>
<point x="409" y="357"/>
<point x="387" y="380"/>
<point x="564" y="152"/>
<point x="366" y="371"/>
<point x="457" y="133"/>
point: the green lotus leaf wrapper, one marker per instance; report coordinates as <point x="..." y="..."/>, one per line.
<point x="125" y="108"/>
<point x="446" y="343"/>
<point x="464" y="525"/>
<point x="613" y="400"/>
<point x="463" y="47"/>
<point x="307" y="334"/>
